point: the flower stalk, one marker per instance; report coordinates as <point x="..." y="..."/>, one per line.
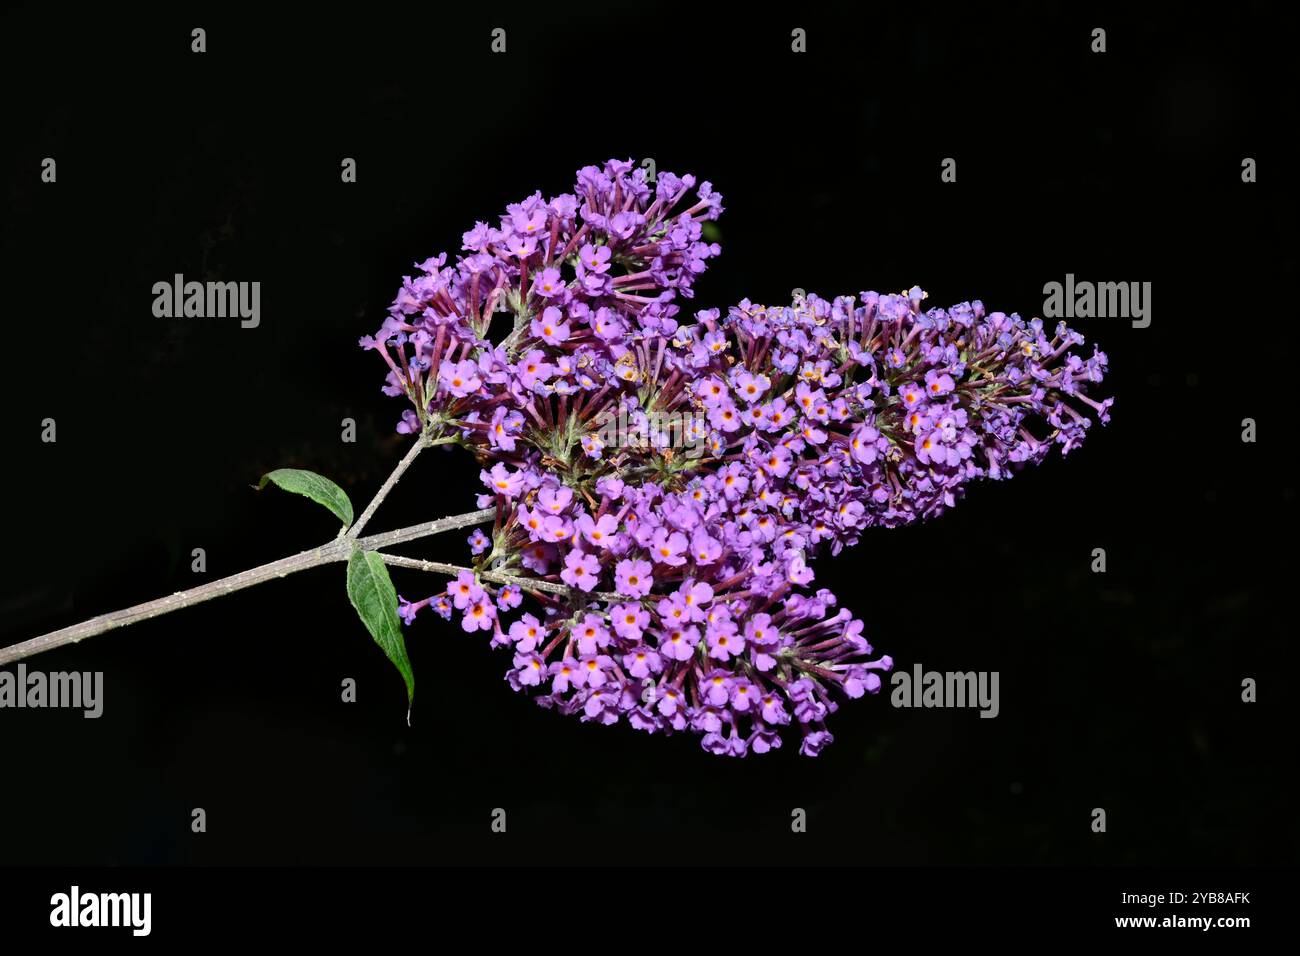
<point x="340" y="549"/>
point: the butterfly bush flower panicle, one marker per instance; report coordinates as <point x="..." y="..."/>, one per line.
<point x="678" y="618"/>
<point x="567" y="274"/>
<point x="668" y="479"/>
<point x="867" y="411"/>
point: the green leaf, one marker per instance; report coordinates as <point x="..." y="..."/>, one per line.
<point x="371" y="592"/>
<point x="316" y="487"/>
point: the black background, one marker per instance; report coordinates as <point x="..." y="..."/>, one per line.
<point x="1119" y="690"/>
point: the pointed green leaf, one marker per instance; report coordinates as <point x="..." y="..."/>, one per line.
<point x="371" y="592"/>
<point x="316" y="487"/>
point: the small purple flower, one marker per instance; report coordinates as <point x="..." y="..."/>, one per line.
<point x="629" y="620"/>
<point x="530" y="222"/>
<point x="633" y="577"/>
<point x="550" y="327"/>
<point x="533" y="369"/>
<point x="592" y="668"/>
<point x="410" y="423"/>
<point x="407" y="611"/>
<point x="716" y="687"/>
<point x="521" y="246"/>
<point x="597" y="531"/>
<point x="695" y="597"/>
<point x="704" y="549"/>
<point x="938" y="384"/>
<point x="479" y="616"/>
<point x="459" y="378"/>
<point x="625" y="223"/>
<point x="565" y="674"/>
<point x="724" y="642"/>
<point x="751" y="387"/>
<point x="733" y="481"/>
<point x="678" y="643"/>
<point x="527" y="633"/>
<point x="554" y="500"/>
<point x="667" y="547"/>
<point x="505" y="428"/>
<point x="528" y="669"/>
<point x="642" y="661"/>
<point x="503" y="481"/>
<point x="509" y="597"/>
<point x="814" y="743"/>
<point x="549" y="284"/>
<point x="595" y="258"/>
<point x="464" y="590"/>
<point x="479" y="542"/>
<point x="557" y="528"/>
<point x="591" y="635"/>
<point x="581" y="571"/>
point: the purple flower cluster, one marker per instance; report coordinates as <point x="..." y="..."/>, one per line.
<point x="575" y="274"/>
<point x="688" y="603"/>
<point x="708" y="627"/>
<point x="865" y="411"/>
